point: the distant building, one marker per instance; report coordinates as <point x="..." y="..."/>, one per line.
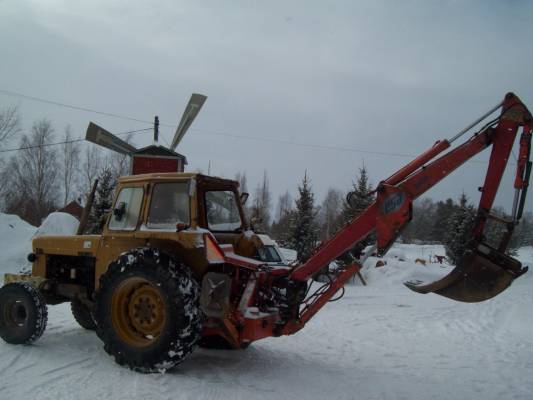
<point x="73" y="208"/>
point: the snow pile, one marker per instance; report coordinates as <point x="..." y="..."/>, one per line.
<point x="16" y="236"/>
<point x="15" y="243"/>
<point x="58" y="224"/>
<point x="525" y="255"/>
<point x="401" y="265"/>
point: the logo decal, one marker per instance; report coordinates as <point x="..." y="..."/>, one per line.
<point x="392" y="203"/>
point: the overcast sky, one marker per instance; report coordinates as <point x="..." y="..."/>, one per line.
<point x="381" y="77"/>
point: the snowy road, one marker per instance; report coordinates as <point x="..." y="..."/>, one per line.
<point x="378" y="342"/>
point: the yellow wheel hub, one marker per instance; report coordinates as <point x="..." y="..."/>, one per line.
<point x="138" y="312"/>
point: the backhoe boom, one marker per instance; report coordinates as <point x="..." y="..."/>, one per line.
<point x="391" y="211"/>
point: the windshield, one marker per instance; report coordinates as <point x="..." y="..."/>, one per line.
<point x="169" y="206"/>
<point x="222" y="211"/>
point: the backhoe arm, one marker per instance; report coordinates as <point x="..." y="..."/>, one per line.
<point x="388" y="215"/>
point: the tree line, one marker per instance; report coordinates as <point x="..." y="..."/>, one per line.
<point x="43" y="177"/>
<point x="302" y="223"/>
<point x="50" y="169"/>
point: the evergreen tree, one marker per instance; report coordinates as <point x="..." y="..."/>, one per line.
<point x="494" y="231"/>
<point x="358" y="199"/>
<point x="420" y="227"/>
<point x="303" y="228"/>
<point x="459" y="231"/>
<point x="355" y="203"/>
<point x="103" y="201"/>
<point x="444" y="211"/>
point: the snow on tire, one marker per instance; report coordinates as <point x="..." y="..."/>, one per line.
<point x="23" y="313"/>
<point x="147" y="311"/>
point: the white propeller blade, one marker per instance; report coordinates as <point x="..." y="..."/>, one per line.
<point x="106" y="139"/>
<point x="191" y="111"/>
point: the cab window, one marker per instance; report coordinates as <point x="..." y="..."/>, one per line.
<point x="268" y="254"/>
<point x="222" y="211"/>
<point x="169" y="206"/>
<point x="127" y="209"/>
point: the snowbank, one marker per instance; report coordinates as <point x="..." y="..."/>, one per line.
<point x="16" y="236"/>
<point x="58" y="224"/>
<point x="15" y="243"/>
<point x="401" y="265"/>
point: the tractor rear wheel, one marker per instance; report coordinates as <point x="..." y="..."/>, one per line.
<point x="23" y="313"/>
<point x="83" y="316"/>
<point x="147" y="311"/>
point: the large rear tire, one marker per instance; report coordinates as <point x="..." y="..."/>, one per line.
<point x="147" y="311"/>
<point x="83" y="316"/>
<point x="23" y="313"/>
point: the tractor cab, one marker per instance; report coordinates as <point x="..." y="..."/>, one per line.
<point x="182" y="207"/>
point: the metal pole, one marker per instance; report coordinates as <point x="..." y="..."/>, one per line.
<point x="156" y="129"/>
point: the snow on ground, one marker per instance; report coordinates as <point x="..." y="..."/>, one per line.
<point x="380" y="341"/>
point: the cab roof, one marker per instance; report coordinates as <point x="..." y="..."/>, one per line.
<point x="175" y="175"/>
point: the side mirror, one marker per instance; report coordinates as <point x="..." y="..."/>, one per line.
<point x="244" y="198"/>
<point x="119" y="211"/>
<point x="180" y="226"/>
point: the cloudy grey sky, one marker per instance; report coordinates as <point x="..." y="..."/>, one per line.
<point x="376" y="76"/>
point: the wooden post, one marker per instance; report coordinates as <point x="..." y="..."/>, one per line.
<point x="87" y="209"/>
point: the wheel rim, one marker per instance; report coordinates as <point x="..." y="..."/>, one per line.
<point x="138" y="312"/>
<point x="15" y="313"/>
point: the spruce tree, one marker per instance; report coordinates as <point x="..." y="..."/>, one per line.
<point x="358" y="199"/>
<point x="354" y="204"/>
<point x="103" y="200"/>
<point x="494" y="231"/>
<point x="443" y="213"/>
<point x="460" y="226"/>
<point x="304" y="229"/>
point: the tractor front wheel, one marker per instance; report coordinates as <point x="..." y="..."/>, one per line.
<point x="83" y="315"/>
<point x="23" y="313"/>
<point x="147" y="311"/>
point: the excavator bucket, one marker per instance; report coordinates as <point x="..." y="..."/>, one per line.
<point x="481" y="274"/>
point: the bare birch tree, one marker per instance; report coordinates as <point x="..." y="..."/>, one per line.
<point x="9" y="123"/>
<point x="33" y="189"/>
<point x="329" y="213"/>
<point x="70" y="160"/>
<point x="260" y="209"/>
<point x="90" y="168"/>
